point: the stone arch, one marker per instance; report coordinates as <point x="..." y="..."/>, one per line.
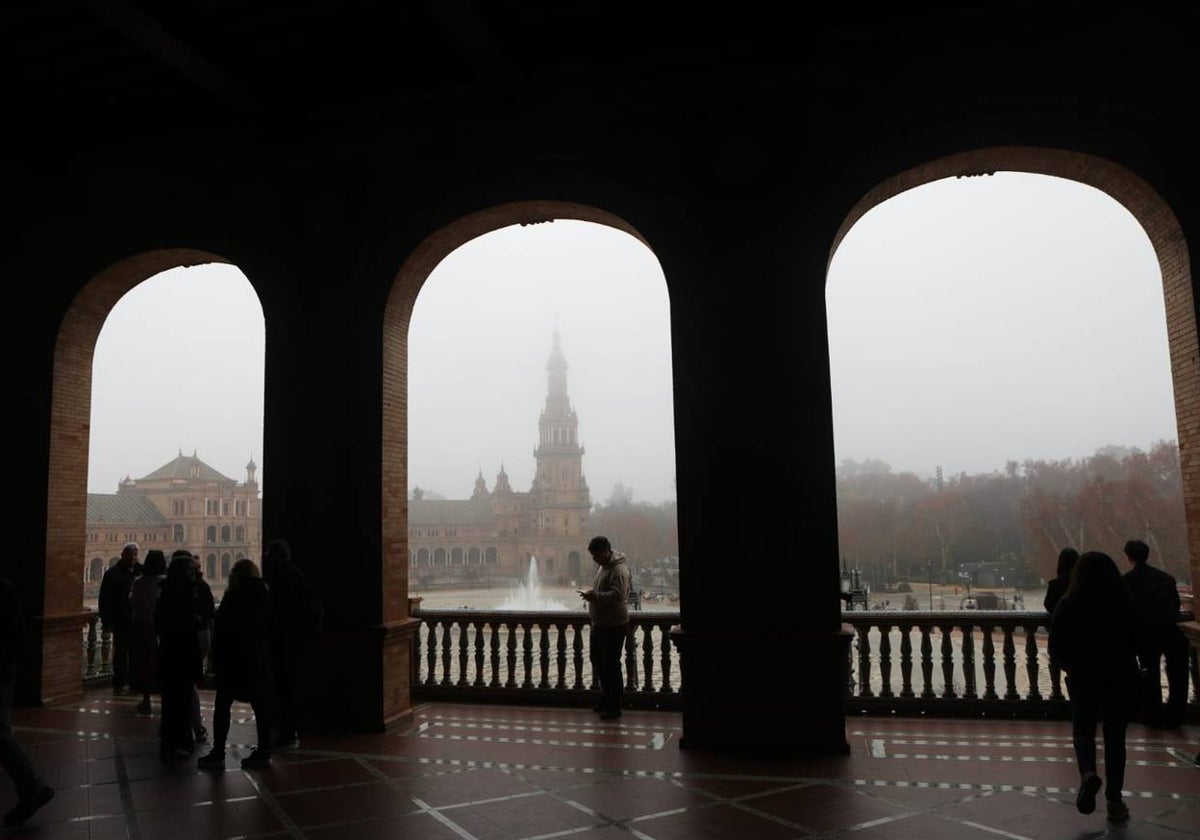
<point x="70" y="411"/>
<point x="397" y="314"/>
<point x="96" y="569"/>
<point x="1162" y="227"/>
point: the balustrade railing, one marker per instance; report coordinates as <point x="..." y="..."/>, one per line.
<point x="501" y="656"/>
<point x="97" y="651"/>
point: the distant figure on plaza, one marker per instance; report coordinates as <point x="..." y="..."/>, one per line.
<point x="143" y="641"/>
<point x="32" y="791"/>
<point x="1092" y="638"/>
<point x="1158" y="637"/>
<point x="177" y="620"/>
<point x="208" y="610"/>
<point x="1057" y="587"/>
<point x="298" y="619"/>
<point x="241" y="658"/>
<point x="116" y="612"/>
<point x="608" y="610"/>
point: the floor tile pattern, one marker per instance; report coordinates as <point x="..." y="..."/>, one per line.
<point x="462" y="772"/>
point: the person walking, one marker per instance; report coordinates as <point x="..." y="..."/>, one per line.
<point x="1092" y="638"/>
<point x="241" y="657"/>
<point x="608" y="612"/>
<point x="177" y="621"/>
<point x="116" y="611"/>
<point x="143" y="641"/>
<point x="32" y="791"/>
<point x="1158" y="638"/>
<point x="298" y="618"/>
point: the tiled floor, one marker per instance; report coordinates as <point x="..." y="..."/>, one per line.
<point x="501" y="773"/>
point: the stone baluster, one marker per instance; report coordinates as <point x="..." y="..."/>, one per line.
<point x="947" y="662"/>
<point x="926" y="663"/>
<point x="989" y="663"/>
<point x="544" y="654"/>
<point x="89" y="657"/>
<point x="577" y="657"/>
<point x="447" y="649"/>
<point x="647" y="657"/>
<point x="481" y="637"/>
<point x="864" y="662"/>
<point x="464" y="650"/>
<point x="431" y="652"/>
<point x="105" y="650"/>
<point x="664" y="636"/>
<point x="560" y="657"/>
<point x="906" y="663"/>
<point x="968" y="661"/>
<point x="595" y="683"/>
<point x="885" y="660"/>
<point x="1031" y="662"/>
<point x="494" y="654"/>
<point x="1010" y="666"/>
<point x="631" y="669"/>
<point x="527" y="655"/>
<point x="511" y="654"/>
<point x="1056" y="682"/>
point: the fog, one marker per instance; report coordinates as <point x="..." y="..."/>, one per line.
<point x="972" y="322"/>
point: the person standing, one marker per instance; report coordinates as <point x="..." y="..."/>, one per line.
<point x="1158" y="637"/>
<point x="241" y="656"/>
<point x="1092" y="638"/>
<point x="298" y="618"/>
<point x="608" y="611"/>
<point x="177" y="621"/>
<point x="32" y="791"/>
<point x="207" y="606"/>
<point x="117" y="613"/>
<point x="1057" y="587"/>
<point x="143" y="641"/>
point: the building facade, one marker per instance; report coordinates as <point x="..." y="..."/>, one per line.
<point x="496" y="534"/>
<point x="186" y="504"/>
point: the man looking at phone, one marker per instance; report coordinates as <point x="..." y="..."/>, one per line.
<point x="608" y="610"/>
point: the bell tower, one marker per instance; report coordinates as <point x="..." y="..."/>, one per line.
<point x="560" y="494"/>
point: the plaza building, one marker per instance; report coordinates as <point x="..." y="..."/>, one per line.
<point x="186" y="504"/>
<point x="493" y="536"/>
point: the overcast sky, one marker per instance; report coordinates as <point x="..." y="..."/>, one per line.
<point x="972" y="321"/>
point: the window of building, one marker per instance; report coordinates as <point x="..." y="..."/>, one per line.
<point x="226" y="533"/>
<point x="210" y="534"/>
<point x="240" y="533"/>
<point x="225" y="507"/>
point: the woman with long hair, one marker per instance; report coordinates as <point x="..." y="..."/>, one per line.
<point x="1057" y="587"/>
<point x="143" y="641"/>
<point x="1091" y="637"/>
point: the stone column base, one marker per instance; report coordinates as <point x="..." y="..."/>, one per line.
<point x="764" y="694"/>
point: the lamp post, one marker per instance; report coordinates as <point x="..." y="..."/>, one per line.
<point x="929" y="574"/>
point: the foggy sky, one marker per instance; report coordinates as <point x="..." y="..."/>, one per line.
<point x="972" y="321"/>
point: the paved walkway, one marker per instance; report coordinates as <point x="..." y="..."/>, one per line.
<point x="518" y="773"/>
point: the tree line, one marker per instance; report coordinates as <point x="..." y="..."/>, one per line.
<point x="900" y="525"/>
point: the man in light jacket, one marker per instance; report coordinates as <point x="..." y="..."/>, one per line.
<point x="608" y="609"/>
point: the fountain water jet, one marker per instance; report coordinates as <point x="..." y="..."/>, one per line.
<point x="528" y="597"/>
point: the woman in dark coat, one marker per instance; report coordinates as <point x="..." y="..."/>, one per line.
<point x="1091" y="637"/>
<point x="180" y="667"/>
<point x="241" y="659"/>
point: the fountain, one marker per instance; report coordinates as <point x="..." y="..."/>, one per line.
<point x="528" y="597"/>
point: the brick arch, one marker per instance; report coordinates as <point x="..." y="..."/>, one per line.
<point x="70" y="418"/>
<point x="1170" y="247"/>
<point x="397" y="314"/>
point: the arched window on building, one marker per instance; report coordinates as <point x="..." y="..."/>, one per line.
<point x="212" y="567"/>
<point x="473" y="556"/>
<point x="456" y="557"/>
<point x="177" y="534"/>
<point x="226" y="564"/>
<point x="97" y="569"/>
<point x="226" y="533"/>
<point x="210" y="534"/>
<point x="423" y="557"/>
<point x="439" y="557"/>
<point x="240" y="534"/>
<point x="490" y="555"/>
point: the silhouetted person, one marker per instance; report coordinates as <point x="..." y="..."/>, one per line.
<point x="1158" y="637"/>
<point x="177" y="620"/>
<point x="143" y="640"/>
<point x="32" y="792"/>
<point x="608" y="610"/>
<point x="241" y="658"/>
<point x="116" y="611"/>
<point x="297" y="621"/>
<point x="1091" y="637"/>
<point x="1058" y="585"/>
<point x="208" y="609"/>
